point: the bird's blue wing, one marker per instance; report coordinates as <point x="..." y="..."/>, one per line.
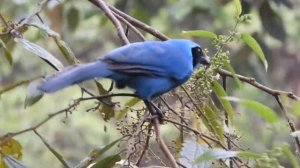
<point x="154" y="58"/>
<point x="134" y="69"/>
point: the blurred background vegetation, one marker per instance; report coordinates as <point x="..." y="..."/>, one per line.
<point x="274" y="24"/>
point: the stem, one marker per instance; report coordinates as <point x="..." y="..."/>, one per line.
<point x="260" y="86"/>
<point x="140" y="24"/>
<point x="227" y="122"/>
<point x="4" y="21"/>
<point x="146" y="145"/>
<point x="291" y="124"/>
<point x="158" y="138"/>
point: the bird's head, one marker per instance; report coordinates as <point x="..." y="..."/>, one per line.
<point x="199" y="57"/>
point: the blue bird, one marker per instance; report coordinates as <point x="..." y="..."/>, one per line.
<point x="151" y="68"/>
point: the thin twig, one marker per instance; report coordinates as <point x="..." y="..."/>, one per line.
<point x="103" y="6"/>
<point x="291" y="124"/>
<point x="107" y="96"/>
<point x="140" y="24"/>
<point x="162" y="144"/>
<point x="173" y="111"/>
<point x="260" y="86"/>
<point x="227" y="122"/>
<point x="52" y="150"/>
<point x="50" y="116"/>
<point x="228" y="38"/>
<point x="204" y="137"/>
<point x="41" y="6"/>
<point x="146" y="145"/>
<point x="158" y="138"/>
<point x="198" y="109"/>
<point x="4" y="21"/>
<point x="196" y="132"/>
<point x="135" y="30"/>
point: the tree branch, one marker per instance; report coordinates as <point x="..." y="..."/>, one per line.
<point x="41" y="6"/>
<point x="140" y="24"/>
<point x="291" y="124"/>
<point x="146" y="145"/>
<point x="50" y="116"/>
<point x="162" y="144"/>
<point x="102" y="5"/>
<point x="158" y="138"/>
<point x="135" y="30"/>
<point x="260" y="86"/>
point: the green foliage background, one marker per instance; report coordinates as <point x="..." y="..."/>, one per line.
<point x="274" y="24"/>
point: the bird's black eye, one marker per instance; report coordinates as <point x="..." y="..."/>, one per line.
<point x="199" y="57"/>
<point x="197" y="54"/>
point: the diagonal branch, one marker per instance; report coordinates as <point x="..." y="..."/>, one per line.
<point x="260" y="86"/>
<point x="102" y="5"/>
<point x="140" y="24"/>
<point x="159" y="139"/>
<point x="134" y="29"/>
<point x="65" y="110"/>
<point x="291" y="124"/>
<point x="50" y="116"/>
<point x="162" y="144"/>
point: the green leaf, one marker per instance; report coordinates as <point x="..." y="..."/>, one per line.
<point x="34" y="94"/>
<point x="238" y="7"/>
<point x="215" y="125"/>
<point x="54" y="152"/>
<point x="66" y="51"/>
<point x="95" y="154"/>
<point x="220" y="92"/>
<point x="6" y="52"/>
<point x="41" y="52"/>
<point x="216" y="153"/>
<point x="101" y="89"/>
<point x="105" y="109"/>
<point x="252" y="43"/>
<point x="200" y="33"/>
<point x="6" y="38"/>
<point x="72" y="18"/>
<point x="130" y="103"/>
<point x="101" y="151"/>
<point x="214" y="108"/>
<point x="109" y="161"/>
<point x="263" y="111"/>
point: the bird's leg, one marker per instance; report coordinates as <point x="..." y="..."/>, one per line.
<point x="157" y="113"/>
<point x="157" y="109"/>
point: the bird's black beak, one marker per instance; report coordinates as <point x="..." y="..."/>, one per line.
<point x="204" y="60"/>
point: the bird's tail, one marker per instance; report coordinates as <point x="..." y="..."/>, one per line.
<point x="74" y="74"/>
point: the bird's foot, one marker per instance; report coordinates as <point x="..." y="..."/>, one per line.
<point x="152" y="117"/>
<point x="156" y="113"/>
